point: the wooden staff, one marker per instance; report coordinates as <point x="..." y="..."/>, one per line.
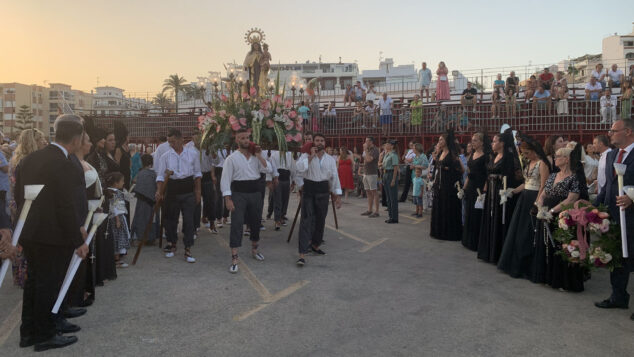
<point x="334" y="211"/>
<point x="148" y="226"/>
<point x="290" y="234"/>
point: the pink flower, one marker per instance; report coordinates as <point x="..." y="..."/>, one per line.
<point x="266" y="104"/>
<point x="278" y="110"/>
<point x="223" y="98"/>
<point x="277" y="98"/>
<point x="297" y="137"/>
<point x="603" y="215"/>
<point x="252" y="91"/>
<point x="235" y="126"/>
<point x="222" y="113"/>
<point x="270" y="123"/>
<point x="243" y="121"/>
<point x="605" y="226"/>
<point x="569" y="222"/>
<point x="233" y="120"/>
<point x="298" y="126"/>
<point x="292" y="114"/>
<point x="201" y="118"/>
<point x="217" y="128"/>
<point x="289" y="125"/>
<point x="593" y="217"/>
<point x="288" y="103"/>
<point x="289" y="138"/>
<point x="241" y="111"/>
<point x="245" y="95"/>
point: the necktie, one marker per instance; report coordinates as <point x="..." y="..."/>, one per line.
<point x="620" y="158"/>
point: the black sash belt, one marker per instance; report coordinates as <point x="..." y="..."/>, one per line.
<point x="285" y="175"/>
<point x="245" y="186"/>
<point x="180" y="186"/>
<point x="316" y="186"/>
<point x="206" y="177"/>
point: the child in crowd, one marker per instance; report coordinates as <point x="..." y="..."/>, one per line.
<point x="418" y="183"/>
<point x="145" y="191"/>
<point x="116" y="217"/>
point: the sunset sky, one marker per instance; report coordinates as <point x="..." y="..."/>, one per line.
<point x="136" y="44"/>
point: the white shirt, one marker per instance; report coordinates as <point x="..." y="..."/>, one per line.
<point x="288" y="164"/>
<point x="238" y="168"/>
<point x="605" y="100"/>
<point x="160" y="150"/>
<point x="598" y="75"/>
<point x="205" y="162"/>
<point x="596" y="86"/>
<point x="185" y="164"/>
<point x="273" y="173"/>
<point x="410" y="155"/>
<point x="219" y="160"/>
<point x="324" y="169"/>
<point x="385" y="106"/>
<point x="601" y="169"/>
<point x="615" y="76"/>
<point x="61" y="148"/>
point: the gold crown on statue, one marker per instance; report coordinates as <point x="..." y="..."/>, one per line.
<point x="254" y="35"/>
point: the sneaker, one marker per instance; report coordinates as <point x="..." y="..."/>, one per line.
<point x="366" y="213"/>
<point x="207" y="225"/>
<point x="218" y="223"/>
<point x="228" y="221"/>
<point x="213" y="230"/>
<point x="277" y="226"/>
<point x="122" y="265"/>
<point x="169" y="255"/>
<point x="195" y="236"/>
<point x="301" y="262"/>
<point x="374" y="215"/>
<point x="262" y="228"/>
<point x="317" y="251"/>
<point x="284" y="223"/>
<point x="247" y="233"/>
<point x="189" y="258"/>
<point x="258" y="256"/>
<point x="233" y="268"/>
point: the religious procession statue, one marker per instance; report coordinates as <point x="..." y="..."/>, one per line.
<point x="258" y="61"/>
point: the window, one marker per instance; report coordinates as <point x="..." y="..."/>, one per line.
<point x="628" y="43"/>
<point x="630" y="55"/>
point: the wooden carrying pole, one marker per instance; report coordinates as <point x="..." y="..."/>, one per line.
<point x="290" y="234"/>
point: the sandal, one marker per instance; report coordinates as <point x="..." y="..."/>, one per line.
<point x="188" y="256"/>
<point x="255" y="254"/>
<point x="234" y="267"/>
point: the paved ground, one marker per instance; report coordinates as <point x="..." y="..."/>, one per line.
<point x="382" y="290"/>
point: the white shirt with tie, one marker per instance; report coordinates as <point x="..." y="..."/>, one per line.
<point x="601" y="169"/>
<point x="238" y="168"/>
<point x="324" y="169"/>
<point x="183" y="165"/>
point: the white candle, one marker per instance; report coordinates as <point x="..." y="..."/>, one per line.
<point x="620" y="171"/>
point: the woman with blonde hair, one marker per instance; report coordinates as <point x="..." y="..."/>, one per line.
<point x="442" y="84"/>
<point x="29" y="141"/>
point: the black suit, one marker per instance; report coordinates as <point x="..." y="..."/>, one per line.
<point x="619" y="277"/>
<point x="50" y="235"/>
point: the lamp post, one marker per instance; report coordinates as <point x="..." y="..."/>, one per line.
<point x="215" y="80"/>
<point x="271" y="86"/>
<point x="294" y="81"/>
<point x="301" y="91"/>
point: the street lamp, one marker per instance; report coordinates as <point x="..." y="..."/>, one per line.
<point x="301" y="90"/>
<point x="215" y="80"/>
<point x="272" y="86"/>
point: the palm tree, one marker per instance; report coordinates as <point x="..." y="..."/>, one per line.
<point x="24" y="119"/>
<point x="175" y="84"/>
<point x="162" y="101"/>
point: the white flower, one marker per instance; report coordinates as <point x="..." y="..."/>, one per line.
<point x="563" y="225"/>
<point x="574" y="254"/>
<point x="278" y="118"/>
<point x="258" y="115"/>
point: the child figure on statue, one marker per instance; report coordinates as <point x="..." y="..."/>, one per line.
<point x="418" y="183"/>
<point x="117" y="222"/>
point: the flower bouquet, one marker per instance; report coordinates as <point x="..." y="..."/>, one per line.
<point x="587" y="236"/>
<point x="272" y="121"/>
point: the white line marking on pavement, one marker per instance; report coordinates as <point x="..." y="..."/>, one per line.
<point x="368" y="245"/>
<point x="279" y="296"/>
<point x="248" y="274"/>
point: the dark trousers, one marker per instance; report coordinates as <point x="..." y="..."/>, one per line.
<point x="619" y="279"/>
<point x="220" y="209"/>
<point x="198" y="211"/>
<point x="392" y="195"/>
<point x="208" y="196"/>
<point x="271" y="201"/>
<point x="408" y="183"/>
<point x="281" y="195"/>
<point x="311" y="225"/>
<point x="47" y="268"/>
<point x="247" y="209"/>
<point x="262" y="189"/>
<point x="383" y="195"/>
<point x="177" y="204"/>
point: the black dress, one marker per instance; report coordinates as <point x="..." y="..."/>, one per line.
<point x="124" y="168"/>
<point x="547" y="266"/>
<point x="494" y="227"/>
<point x="446" y="212"/>
<point x="477" y="178"/>
<point x="518" y="250"/>
<point x="104" y="243"/>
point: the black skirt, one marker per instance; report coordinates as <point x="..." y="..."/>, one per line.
<point x="517" y="253"/>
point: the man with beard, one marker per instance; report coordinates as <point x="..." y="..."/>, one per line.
<point x="319" y="172"/>
<point x="240" y="189"/>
